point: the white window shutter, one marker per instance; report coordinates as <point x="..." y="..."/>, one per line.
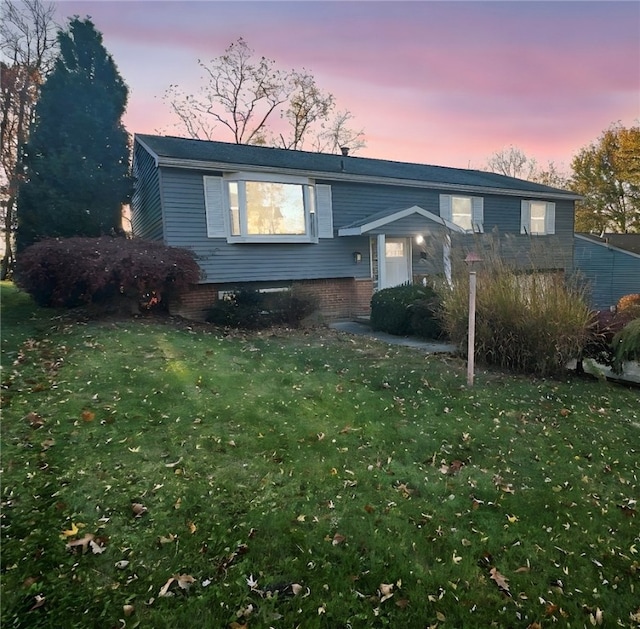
<point x="446" y="211"/>
<point x="550" y="219"/>
<point x="525" y="217"/>
<point x="324" y="211"/>
<point x="477" y="214"/>
<point x="214" y="207"/>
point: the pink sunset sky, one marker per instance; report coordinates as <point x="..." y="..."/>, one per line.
<point x="445" y="83"/>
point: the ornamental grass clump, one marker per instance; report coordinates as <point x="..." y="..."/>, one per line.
<point x="626" y="345"/>
<point x="526" y="321"/>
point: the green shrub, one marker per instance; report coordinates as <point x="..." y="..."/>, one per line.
<point x="70" y="272"/>
<point x="410" y="309"/>
<point x="626" y="345"/>
<point x="525" y="322"/>
<point x="251" y="309"/>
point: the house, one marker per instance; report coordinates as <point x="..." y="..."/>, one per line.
<point x="611" y="265"/>
<point x="335" y="226"/>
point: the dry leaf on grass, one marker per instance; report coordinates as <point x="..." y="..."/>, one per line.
<point x="338" y="539"/>
<point x="34" y="420"/>
<point x="385" y="591"/>
<point x="72" y="531"/>
<point x="500" y="580"/>
<point x="82" y="544"/>
<point x="38" y="601"/>
<point x="138" y="509"/>
<point x="183" y="581"/>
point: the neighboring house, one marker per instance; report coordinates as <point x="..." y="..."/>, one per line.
<point x="334" y="226"/>
<point x="611" y="265"/>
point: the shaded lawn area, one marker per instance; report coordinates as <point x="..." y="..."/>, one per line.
<point x="169" y="474"/>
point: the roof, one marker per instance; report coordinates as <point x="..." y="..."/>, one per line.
<point x="210" y="155"/>
<point x="389" y="216"/>
<point x="626" y="242"/>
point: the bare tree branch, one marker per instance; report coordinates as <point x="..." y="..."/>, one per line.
<point x="251" y="99"/>
<point x="27" y="44"/>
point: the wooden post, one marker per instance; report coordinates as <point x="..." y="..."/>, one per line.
<point x="472" y="328"/>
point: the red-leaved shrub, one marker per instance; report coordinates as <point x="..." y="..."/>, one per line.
<point x="71" y="272"/>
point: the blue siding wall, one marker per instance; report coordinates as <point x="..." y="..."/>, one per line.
<point x="146" y="208"/>
<point x="610" y="273"/>
<point x="185" y="226"/>
<point x="174" y="198"/>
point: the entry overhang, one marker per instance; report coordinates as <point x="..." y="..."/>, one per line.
<point x="389" y="216"/>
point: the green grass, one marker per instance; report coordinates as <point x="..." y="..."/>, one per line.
<point x="310" y="458"/>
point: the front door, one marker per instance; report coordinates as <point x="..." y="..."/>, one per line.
<point x="397" y="262"/>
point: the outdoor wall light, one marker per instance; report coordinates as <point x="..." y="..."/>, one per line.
<point x="357" y="257"/>
<point x="419" y="239"/>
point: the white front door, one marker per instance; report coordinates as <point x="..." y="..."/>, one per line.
<point x="397" y="262"/>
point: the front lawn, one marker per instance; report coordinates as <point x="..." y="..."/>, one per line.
<point x="161" y="474"/>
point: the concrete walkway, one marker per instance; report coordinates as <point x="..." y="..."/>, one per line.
<point x="362" y="329"/>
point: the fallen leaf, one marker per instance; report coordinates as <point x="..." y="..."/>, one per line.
<point x="167" y="540"/>
<point x="88" y="416"/>
<point x="369" y="508"/>
<point x="121" y="565"/>
<point x="96" y="549"/>
<point x="338" y="539"/>
<point x="34" y="420"/>
<point x="81" y="544"/>
<point x="164" y="590"/>
<point x="72" y="531"/>
<point x="39" y="601"/>
<point x="296" y="588"/>
<point x="185" y="581"/>
<point x="500" y="580"/>
<point x="385" y="591"/>
<point x="455" y="467"/>
<point x="47" y="443"/>
<point x="192" y="527"/>
<point x="138" y="509"/>
<point x="127" y="610"/>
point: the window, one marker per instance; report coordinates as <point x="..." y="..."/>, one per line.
<point x="465" y="212"/>
<point x="537" y="218"/>
<point x="251" y="207"/>
<point x="263" y="208"/>
<point x="394" y="249"/>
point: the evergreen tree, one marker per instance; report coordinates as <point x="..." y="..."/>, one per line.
<point x="77" y="156"/>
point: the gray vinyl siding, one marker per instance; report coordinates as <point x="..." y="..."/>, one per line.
<point x="146" y="207"/>
<point x="222" y="262"/>
<point x="354" y="202"/>
<point x="610" y="273"/>
<point x="169" y="205"/>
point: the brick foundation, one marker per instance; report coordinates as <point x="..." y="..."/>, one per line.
<point x="338" y="298"/>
